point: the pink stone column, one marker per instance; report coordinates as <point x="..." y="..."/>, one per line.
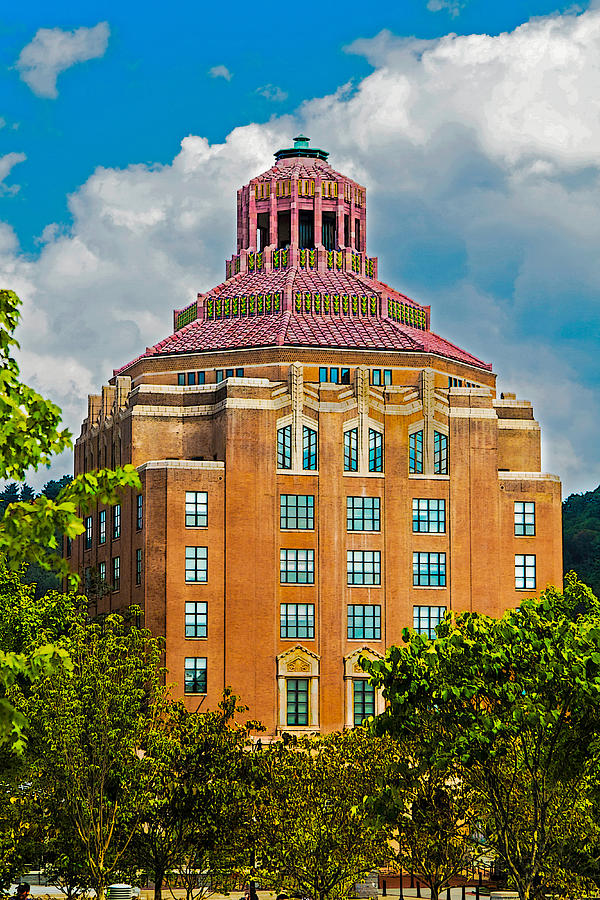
<point x="294" y="239"/>
<point x="252" y="218"/>
<point x="273" y="217"/>
<point x="318" y="215"/>
<point x="340" y="212"/>
<point x="352" y="215"/>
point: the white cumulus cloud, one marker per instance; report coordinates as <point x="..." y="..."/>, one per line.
<point x="220" y="72"/>
<point x="53" y="50"/>
<point x="481" y="160"/>
<point x="272" y="92"/>
<point x="7" y="163"/>
<point x="452" y="7"/>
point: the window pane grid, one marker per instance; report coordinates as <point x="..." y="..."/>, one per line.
<point x="415" y="452"/>
<point x="440" y="453"/>
<point x="427" y="618"/>
<point x="363" y="566"/>
<point x="88" y="532"/>
<point x="297" y="511"/>
<point x="375" y="451"/>
<point x="196" y="564"/>
<point x="364" y="700"/>
<point x="297" y="620"/>
<point x="429" y="515"/>
<point x="364" y="622"/>
<point x="524" y="518"/>
<point x="139" y="516"/>
<point x="309" y="448"/>
<point x="116" y="573"/>
<point x="196" y="619"/>
<point x="195" y="675"/>
<point x="196" y="509"/>
<point x="351" y="450"/>
<point x="284" y="447"/>
<point x="363" y="513"/>
<point x="297" y="566"/>
<point x="297" y="701"/>
<point x="102" y="527"/>
<point x="138" y="566"/>
<point x="525" y="572"/>
<point x="429" y="569"/>
<point x="116" y="521"/>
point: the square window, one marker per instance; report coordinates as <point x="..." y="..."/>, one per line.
<point x="525" y="572"/>
<point x="297" y="620"/>
<point x="196" y="619"/>
<point x="195" y="675"/>
<point x="239" y="373"/>
<point x="196" y="509"/>
<point x="196" y="564"/>
<point x="297" y="511"/>
<point x="139" y="512"/>
<point x="364" y="622"/>
<point x="228" y="373"/>
<point x="429" y="569"/>
<point x="415" y="453"/>
<point x="363" y="513"/>
<point x="322" y="374"/>
<point x="181" y="378"/>
<point x="116" y="521"/>
<point x="297" y="701"/>
<point x="363" y="699"/>
<point x="334" y="375"/>
<point x="138" y="566"/>
<point x="376" y="376"/>
<point x="297" y="566"/>
<point x="524" y="518"/>
<point x="363" y="567"/>
<point x="309" y="448"/>
<point x="102" y="526"/>
<point x="429" y="516"/>
<point x="284" y="447"/>
<point x="427" y="618"/>
<point x="351" y="450"/>
<point x="387" y="376"/>
<point x="375" y="451"/>
<point x="191" y="378"/>
<point x="440" y="453"/>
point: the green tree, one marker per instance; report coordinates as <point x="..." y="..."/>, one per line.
<point x="314" y="832"/>
<point x="581" y="537"/>
<point x="89" y="732"/>
<point x="200" y="796"/>
<point x="517" y="702"/>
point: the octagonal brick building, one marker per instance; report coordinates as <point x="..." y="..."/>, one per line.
<point x="319" y="468"/>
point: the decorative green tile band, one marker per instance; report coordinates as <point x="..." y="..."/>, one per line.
<point x="280" y="259"/>
<point x="187" y="315"/>
<point x="408" y="315"/>
<point x="308" y="259"/>
<point x="252" y="305"/>
<point x="335" y="304"/>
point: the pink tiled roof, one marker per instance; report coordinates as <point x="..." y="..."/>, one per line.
<point x="301" y="167"/>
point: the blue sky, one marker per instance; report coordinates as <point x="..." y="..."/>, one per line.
<point x="474" y="125"/>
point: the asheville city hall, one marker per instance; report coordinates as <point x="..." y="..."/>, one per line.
<point x="319" y="469"/>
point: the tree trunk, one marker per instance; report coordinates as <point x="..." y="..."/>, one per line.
<point x="159" y="877"/>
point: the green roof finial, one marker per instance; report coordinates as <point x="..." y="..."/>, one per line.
<point x="301" y="142"/>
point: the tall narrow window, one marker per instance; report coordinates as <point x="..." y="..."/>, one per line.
<point x="363" y="567"/>
<point x="88" y="532"/>
<point x="102" y="575"/>
<point x="219" y="375"/>
<point x="387" y="376"/>
<point x="195" y="675"/>
<point x="138" y="566"/>
<point x="524" y="518"/>
<point x="334" y="375"/>
<point x="309" y="448"/>
<point x="376" y="376"/>
<point x="440" y="453"/>
<point x="427" y="618"/>
<point x="375" y="451"/>
<point x="284" y="447"/>
<point x="69" y="546"/>
<point x="364" y="700"/>
<point x="306" y="229"/>
<point x="525" y="572"/>
<point x="351" y="450"/>
<point x="196" y="564"/>
<point x="102" y="526"/>
<point x="191" y="378"/>
<point x="297" y="620"/>
<point x="284" y="229"/>
<point x="297" y="701"/>
<point x="196" y="619"/>
<point x="322" y="374"/>
<point x="116" y="573"/>
<point x="345" y="376"/>
<point x="116" y="518"/>
<point x="181" y="378"/>
<point x="196" y="509"/>
<point x="415" y="452"/>
<point x="328" y="229"/>
<point x="429" y="569"/>
<point x="429" y="515"/>
<point x="139" y="512"/>
<point x="201" y="377"/>
<point x="297" y="566"/>
<point x="346" y="231"/>
<point x="357" y="235"/>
